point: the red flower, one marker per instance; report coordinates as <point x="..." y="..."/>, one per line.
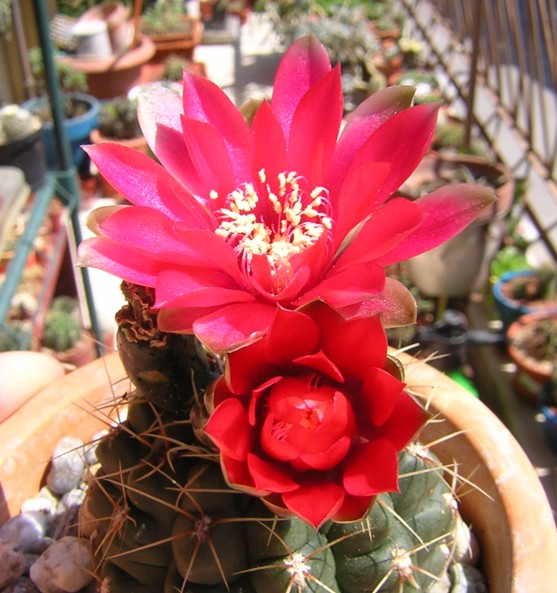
<point x="309" y="419"/>
<point x="238" y="219"/>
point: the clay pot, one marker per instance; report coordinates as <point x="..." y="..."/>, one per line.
<point x="182" y="44"/>
<point x="508" y="510"/>
<point x="531" y="374"/>
<point x="115" y="76"/>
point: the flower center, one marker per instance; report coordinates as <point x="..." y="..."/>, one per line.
<point x="277" y="222"/>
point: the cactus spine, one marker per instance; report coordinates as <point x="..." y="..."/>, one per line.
<point x="161" y="517"/>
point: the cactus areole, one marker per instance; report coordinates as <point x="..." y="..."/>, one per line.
<point x="268" y="445"/>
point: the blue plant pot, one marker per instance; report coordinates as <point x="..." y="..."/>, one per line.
<point x="509" y="310"/>
<point x="77" y="129"/>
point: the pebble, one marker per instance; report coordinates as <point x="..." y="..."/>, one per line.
<point x="26" y="530"/>
<point x="68" y="465"/>
<point x="466" y="548"/>
<point x="22" y="585"/>
<point x="467" y="579"/>
<point x="12" y="563"/>
<point x="65" y="567"/>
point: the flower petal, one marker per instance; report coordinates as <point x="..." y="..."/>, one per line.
<point x="292" y="334"/>
<point x="315" y="501"/>
<point x="380" y="393"/>
<point x="145" y="183"/>
<point x="315" y="128"/>
<point x="270" y="477"/>
<point x="159" y="112"/>
<point x="230" y="430"/>
<point x="371" y="468"/>
<point x="447" y="211"/>
<point x="123" y="261"/>
<point x="303" y="64"/>
<point x="353" y="284"/>
<point x="229" y="327"/>
<point x="363" y="122"/>
<point x="205" y="102"/>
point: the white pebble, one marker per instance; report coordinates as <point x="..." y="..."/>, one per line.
<point x="12" y="563"/>
<point x="25" y="530"/>
<point x="66" y="567"/>
<point x="67" y="467"/>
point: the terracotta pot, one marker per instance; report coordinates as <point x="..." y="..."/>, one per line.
<point x="509" y="510"/>
<point x="530" y="374"/>
<point x="182" y="44"/>
<point x="115" y="76"/>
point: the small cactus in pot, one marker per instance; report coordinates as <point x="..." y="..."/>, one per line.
<point x="270" y="440"/>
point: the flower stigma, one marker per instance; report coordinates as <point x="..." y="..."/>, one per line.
<point x="276" y="224"/>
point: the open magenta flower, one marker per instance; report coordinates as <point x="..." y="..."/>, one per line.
<point x="309" y="419"/>
<point x="238" y="218"/>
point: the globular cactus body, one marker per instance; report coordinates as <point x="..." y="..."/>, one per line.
<point x="162" y="518"/>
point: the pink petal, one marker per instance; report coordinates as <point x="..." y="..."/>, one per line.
<point x="270" y="477"/>
<point x="123" y="261"/>
<point x="210" y="157"/>
<point x="149" y="230"/>
<point x="206" y="102"/>
<point x="145" y="183"/>
<point x="159" y="112"/>
<point x="315" y="127"/>
<point x="315" y="501"/>
<point x="269" y="143"/>
<point x="396" y="306"/>
<point x="229" y="327"/>
<point x="380" y="393"/>
<point x="394" y="150"/>
<point x="447" y="211"/>
<point x="371" y="468"/>
<point x="229" y="429"/>
<point x="382" y="232"/>
<point x="216" y="252"/>
<point x="363" y="122"/>
<point x="350" y="285"/>
<point x="304" y="63"/>
<point x="197" y="287"/>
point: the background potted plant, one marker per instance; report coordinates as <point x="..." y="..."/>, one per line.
<point x="532" y="346"/>
<point x="171" y="29"/>
<point x="63" y="334"/>
<point x="518" y="292"/>
<point x="21" y="143"/>
<point x="80" y="109"/>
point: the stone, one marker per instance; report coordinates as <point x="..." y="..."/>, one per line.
<point x="25" y="530"/>
<point x="65" y="567"/>
<point x="12" y="563"/>
<point x="467" y="579"/>
<point x="68" y="465"/>
<point x="22" y="585"/>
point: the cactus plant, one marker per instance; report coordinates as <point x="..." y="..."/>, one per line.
<point x="17" y="123"/>
<point x="62" y="328"/>
<point x="161" y="517"/>
<point x="118" y="119"/>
